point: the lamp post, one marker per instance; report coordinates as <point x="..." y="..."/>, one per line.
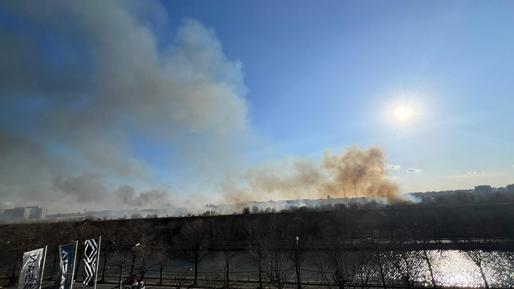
<point x="297" y="263"/>
<point x="120" y="281"/>
<point x="133" y="258"/>
<point x="182" y="278"/>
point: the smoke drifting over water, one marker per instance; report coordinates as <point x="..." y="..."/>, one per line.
<point x="354" y="173"/>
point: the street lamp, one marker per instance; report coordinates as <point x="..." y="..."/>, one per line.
<point x="120" y="281"/>
<point x="133" y="258"/>
<point x="297" y="263"/>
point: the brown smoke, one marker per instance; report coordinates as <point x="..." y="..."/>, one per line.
<point x="354" y="173"/>
<point x="359" y="173"/>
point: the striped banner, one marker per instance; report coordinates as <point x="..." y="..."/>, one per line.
<point x="67" y="257"/>
<point x="91" y="259"/>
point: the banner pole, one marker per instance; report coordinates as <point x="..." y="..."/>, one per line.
<point x="61" y="266"/>
<point x="98" y="259"/>
<point x="42" y="273"/>
<point x="74" y="263"/>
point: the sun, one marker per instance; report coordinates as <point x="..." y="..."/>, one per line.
<point x="403" y="112"/>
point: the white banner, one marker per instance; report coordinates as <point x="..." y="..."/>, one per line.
<point x="32" y="269"/>
<point x="91" y="259"/>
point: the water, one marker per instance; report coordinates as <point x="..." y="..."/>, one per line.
<point x="449" y="267"/>
<point x="455" y="268"/>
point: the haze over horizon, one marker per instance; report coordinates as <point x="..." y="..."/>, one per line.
<point x="151" y="104"/>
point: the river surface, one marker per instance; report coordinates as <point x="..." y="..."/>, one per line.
<point x="449" y="268"/>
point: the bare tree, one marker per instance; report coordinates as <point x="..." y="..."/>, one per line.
<point x="427" y="258"/>
<point x="335" y="264"/>
<point x="365" y="266"/>
<point x="192" y="243"/>
<point x="162" y="257"/>
<point x="380" y="264"/>
<point x="256" y="237"/>
<point x="276" y="260"/>
<point x="225" y="238"/>
<point x="112" y="237"/>
<point x="406" y="266"/>
<point x="340" y="267"/>
<point x="478" y="257"/>
<point x="144" y="239"/>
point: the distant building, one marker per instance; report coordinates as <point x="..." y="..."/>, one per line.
<point x="24" y="213"/>
<point x="483" y="189"/>
<point x="36" y="213"/>
<point x="16" y="214"/>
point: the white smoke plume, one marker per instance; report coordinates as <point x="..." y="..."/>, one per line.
<point x="97" y="77"/>
<point x="90" y="76"/>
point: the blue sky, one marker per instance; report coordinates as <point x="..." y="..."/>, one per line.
<point x="319" y="74"/>
<point x="277" y="81"/>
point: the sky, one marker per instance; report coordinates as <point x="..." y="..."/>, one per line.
<point x="174" y="103"/>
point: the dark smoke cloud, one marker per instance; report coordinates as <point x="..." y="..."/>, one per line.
<point x="153" y="198"/>
<point x="85" y="188"/>
<point x="355" y="173"/>
<point x="26" y="169"/>
<point x="93" y="189"/>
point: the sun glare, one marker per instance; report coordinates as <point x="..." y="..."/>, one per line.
<point x="403" y="112"/>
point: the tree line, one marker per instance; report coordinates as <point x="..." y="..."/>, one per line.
<point x="343" y="245"/>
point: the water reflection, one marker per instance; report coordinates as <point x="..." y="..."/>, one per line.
<point x="454" y="268"/>
<point x="457" y="268"/>
<point x="449" y="268"/>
